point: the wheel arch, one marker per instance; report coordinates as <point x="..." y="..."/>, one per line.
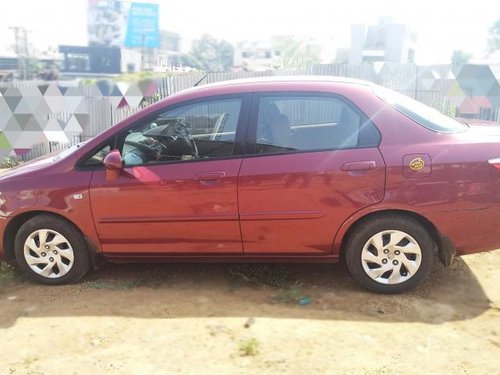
<point x="16" y="222"/>
<point x="426" y="223"/>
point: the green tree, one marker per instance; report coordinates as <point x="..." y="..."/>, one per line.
<point x="296" y="53"/>
<point x="210" y="54"/>
<point x="494" y="36"/>
<point x="191" y="61"/>
<point x="459" y="57"/>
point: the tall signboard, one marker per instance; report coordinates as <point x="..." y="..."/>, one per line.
<point x="142" y="26"/>
<point x="121" y="23"/>
<point x="106" y="22"/>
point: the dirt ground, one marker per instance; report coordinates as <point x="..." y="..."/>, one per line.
<point x="251" y="319"/>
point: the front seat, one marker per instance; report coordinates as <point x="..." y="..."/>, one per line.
<point x="347" y="129"/>
<point x="274" y="127"/>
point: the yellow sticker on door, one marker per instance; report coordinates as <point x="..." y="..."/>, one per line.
<point x="417" y="164"/>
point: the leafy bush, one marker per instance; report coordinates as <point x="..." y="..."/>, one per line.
<point x="9" y="162"/>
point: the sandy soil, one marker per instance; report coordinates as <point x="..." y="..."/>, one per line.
<point x="190" y="319"/>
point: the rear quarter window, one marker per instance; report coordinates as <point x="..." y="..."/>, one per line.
<point x="420" y="113"/>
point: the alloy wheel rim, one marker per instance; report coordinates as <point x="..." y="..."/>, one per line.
<point x="48" y="253"/>
<point x="391" y="257"/>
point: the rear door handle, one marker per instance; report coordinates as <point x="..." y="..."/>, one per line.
<point x="210" y="176"/>
<point x="359" y="165"/>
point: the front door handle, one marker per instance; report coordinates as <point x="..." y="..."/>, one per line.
<point x="210" y="176"/>
<point x="364" y="165"/>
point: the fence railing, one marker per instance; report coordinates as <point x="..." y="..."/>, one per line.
<point x="44" y="148"/>
<point x="80" y="111"/>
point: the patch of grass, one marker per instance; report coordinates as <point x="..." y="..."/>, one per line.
<point x="288" y="295"/>
<point x="29" y="360"/>
<point x="96" y="284"/>
<point x="114" y="285"/>
<point x="7" y="274"/>
<point x="272" y="275"/>
<point x="140" y="76"/>
<point x="130" y="284"/>
<point x="249" y="347"/>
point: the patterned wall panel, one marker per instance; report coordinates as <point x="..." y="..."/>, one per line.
<point x="34" y="114"/>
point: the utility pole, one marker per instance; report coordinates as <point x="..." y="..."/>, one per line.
<point x="21" y="49"/>
<point x="143" y="51"/>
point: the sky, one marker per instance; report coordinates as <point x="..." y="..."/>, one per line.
<point x="441" y="26"/>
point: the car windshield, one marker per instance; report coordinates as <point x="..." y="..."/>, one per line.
<point x="419" y="112"/>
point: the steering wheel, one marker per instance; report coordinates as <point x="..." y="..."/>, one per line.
<point x="180" y="129"/>
<point x="143" y="147"/>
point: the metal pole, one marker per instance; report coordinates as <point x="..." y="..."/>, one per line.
<point x="16" y="29"/>
<point x="416" y="82"/>
<point x="26" y="54"/>
<point x="143" y="51"/>
<point x="22" y="49"/>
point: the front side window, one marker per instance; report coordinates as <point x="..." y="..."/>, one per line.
<point x="195" y="131"/>
<point x="308" y="123"/>
<point x="97" y="158"/>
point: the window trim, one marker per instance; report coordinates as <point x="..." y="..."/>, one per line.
<point x="251" y="133"/>
<point x="239" y="141"/>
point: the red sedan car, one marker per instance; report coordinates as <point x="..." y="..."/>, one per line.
<point x="283" y="169"/>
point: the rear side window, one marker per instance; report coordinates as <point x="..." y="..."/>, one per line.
<point x="306" y="123"/>
<point x="419" y="112"/>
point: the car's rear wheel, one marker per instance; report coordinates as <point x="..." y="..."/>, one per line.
<point x="390" y="254"/>
<point x="51" y="250"/>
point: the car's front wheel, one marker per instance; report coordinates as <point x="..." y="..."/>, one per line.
<point x="51" y="250"/>
<point x="390" y="254"/>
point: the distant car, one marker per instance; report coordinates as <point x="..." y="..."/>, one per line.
<point x="269" y="170"/>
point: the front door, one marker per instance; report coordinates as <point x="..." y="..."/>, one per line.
<point x="315" y="163"/>
<point x="177" y="192"/>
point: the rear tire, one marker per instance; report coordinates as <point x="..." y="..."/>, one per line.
<point x="390" y="254"/>
<point x="50" y="250"/>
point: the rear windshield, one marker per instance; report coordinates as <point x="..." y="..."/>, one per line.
<point x="418" y="112"/>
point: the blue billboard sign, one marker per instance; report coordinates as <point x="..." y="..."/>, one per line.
<point x="143" y="26"/>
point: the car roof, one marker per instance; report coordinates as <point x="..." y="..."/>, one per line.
<point x="265" y="84"/>
<point x="282" y="79"/>
<point x="295" y="79"/>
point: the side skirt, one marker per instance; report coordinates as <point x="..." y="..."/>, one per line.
<point x="218" y="258"/>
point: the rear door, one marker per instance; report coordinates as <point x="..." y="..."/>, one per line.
<point x="314" y="161"/>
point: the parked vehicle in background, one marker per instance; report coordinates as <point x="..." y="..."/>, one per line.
<point x="283" y="169"/>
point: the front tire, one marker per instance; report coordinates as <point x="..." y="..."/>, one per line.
<point x="390" y="254"/>
<point x="50" y="250"/>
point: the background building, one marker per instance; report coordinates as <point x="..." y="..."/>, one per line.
<point x="387" y="41"/>
<point x="168" y="56"/>
<point x="282" y="51"/>
<point x="256" y="56"/>
<point x="32" y="66"/>
<point x="90" y="60"/>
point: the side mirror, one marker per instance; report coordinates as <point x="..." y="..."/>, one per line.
<point x="113" y="164"/>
